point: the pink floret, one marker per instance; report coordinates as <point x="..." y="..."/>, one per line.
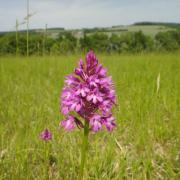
<point x="69" y="123"/>
<point x="46" y="135"/>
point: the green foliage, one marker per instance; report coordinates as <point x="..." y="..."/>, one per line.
<point x="8" y="44"/>
<point x="140" y="42"/>
<point x="98" y="42"/>
<point x="168" y="40"/>
<point x="67" y="43"/>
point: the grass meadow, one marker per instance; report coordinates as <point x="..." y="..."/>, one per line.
<point x="145" y="144"/>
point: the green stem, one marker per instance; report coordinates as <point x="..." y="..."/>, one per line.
<point x="46" y="145"/>
<point x="84" y="149"/>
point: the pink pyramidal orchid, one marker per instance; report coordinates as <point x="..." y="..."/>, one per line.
<point x="46" y="135"/>
<point x="90" y="93"/>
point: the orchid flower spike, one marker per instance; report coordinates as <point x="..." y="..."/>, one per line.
<point x="90" y="93"/>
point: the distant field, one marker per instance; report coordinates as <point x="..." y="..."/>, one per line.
<point x="145" y="144"/>
<point x="150" y="30"/>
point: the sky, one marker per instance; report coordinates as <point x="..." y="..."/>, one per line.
<point x="72" y="14"/>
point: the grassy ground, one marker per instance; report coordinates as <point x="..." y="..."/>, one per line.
<point x="145" y="144"/>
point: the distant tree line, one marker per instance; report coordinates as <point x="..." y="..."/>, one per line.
<point x="166" y="24"/>
<point x="66" y="43"/>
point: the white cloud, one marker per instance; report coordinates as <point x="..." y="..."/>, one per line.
<point x="88" y="13"/>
